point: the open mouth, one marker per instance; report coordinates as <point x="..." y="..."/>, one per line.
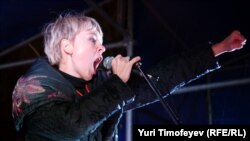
<point x="97" y="62"/>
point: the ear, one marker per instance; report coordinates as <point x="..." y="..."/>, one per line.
<point x="66" y="46"/>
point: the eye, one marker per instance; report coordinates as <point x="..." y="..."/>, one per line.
<point x="92" y="39"/>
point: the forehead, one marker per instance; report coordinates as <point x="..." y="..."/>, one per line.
<point x="92" y="32"/>
<point x="90" y="27"/>
<point x="93" y="28"/>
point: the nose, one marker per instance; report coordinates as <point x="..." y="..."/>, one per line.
<point x="101" y="49"/>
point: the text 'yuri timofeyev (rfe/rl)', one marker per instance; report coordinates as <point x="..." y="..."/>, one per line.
<point x="208" y="133"/>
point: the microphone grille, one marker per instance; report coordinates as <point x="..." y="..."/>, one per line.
<point x="107" y="62"/>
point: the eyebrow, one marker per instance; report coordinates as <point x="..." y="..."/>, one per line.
<point x="93" y="33"/>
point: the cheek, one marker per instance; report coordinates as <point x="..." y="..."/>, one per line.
<point x="83" y="58"/>
<point x="84" y="54"/>
<point x="80" y="52"/>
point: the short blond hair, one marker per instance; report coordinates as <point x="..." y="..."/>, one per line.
<point x="66" y="26"/>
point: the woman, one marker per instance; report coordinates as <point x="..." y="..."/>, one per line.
<point x="67" y="96"/>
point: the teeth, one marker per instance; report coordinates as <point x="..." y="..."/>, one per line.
<point x="96" y="63"/>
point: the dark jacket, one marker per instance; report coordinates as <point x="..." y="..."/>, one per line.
<point x="47" y="106"/>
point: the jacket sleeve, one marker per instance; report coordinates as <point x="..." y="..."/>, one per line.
<point x="171" y="74"/>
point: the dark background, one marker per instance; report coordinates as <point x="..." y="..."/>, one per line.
<point x="158" y="29"/>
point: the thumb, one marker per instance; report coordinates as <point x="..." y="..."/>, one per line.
<point x="134" y="60"/>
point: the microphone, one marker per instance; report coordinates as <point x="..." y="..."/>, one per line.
<point x="107" y="63"/>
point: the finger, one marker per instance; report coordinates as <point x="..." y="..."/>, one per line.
<point x="127" y="58"/>
<point x="134" y="60"/>
<point x="118" y="56"/>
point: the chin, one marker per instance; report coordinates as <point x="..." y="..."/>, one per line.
<point x="88" y="78"/>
